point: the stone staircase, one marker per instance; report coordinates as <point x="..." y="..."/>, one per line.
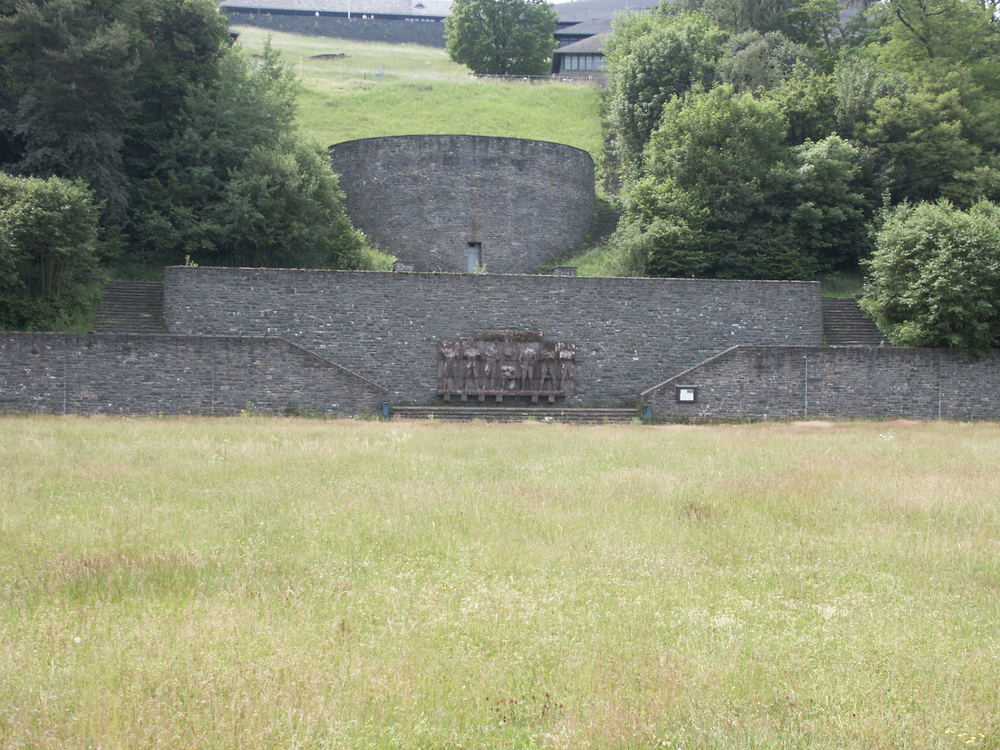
<point x="572" y="414"/>
<point x="605" y="224"/>
<point x="846" y="324"/>
<point x="131" y="307"/>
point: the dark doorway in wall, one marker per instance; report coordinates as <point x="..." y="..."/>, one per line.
<point x="474" y="257"/>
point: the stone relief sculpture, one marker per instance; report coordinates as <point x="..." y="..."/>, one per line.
<point x="526" y="362"/>
<point x="490" y="364"/>
<point x="471" y="356"/>
<point x="506" y="363"/>
<point x="447" y="365"/>
<point x="567" y="368"/>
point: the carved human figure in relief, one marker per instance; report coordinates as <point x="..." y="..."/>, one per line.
<point x="471" y="356"/>
<point x="509" y="376"/>
<point x="490" y="364"/>
<point x="549" y="370"/>
<point x="567" y="368"/>
<point x="508" y="365"/>
<point x="527" y="361"/>
<point x="447" y="365"/>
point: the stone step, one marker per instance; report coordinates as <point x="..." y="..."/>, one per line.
<point x="130" y="307"/>
<point x="846" y="324"/>
<point x="571" y="414"/>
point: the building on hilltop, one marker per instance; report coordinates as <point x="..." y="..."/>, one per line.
<point x="583" y="23"/>
<point x="584" y="26"/>
<point x="581" y="32"/>
<point x="583" y="59"/>
<point x="397" y="21"/>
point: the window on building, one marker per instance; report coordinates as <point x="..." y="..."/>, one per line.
<point x="582" y="62"/>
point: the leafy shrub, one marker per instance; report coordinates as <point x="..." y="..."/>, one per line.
<point x="48" y="241"/>
<point x="934" y="279"/>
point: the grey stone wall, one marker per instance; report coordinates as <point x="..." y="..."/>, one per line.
<point x="751" y="382"/>
<point x="429" y="32"/>
<point x="162" y="374"/>
<point x="424" y="198"/>
<point x="385" y="326"/>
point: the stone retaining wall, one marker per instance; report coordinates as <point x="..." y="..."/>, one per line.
<point x="385" y="326"/>
<point x="755" y="382"/>
<point x="162" y="374"/>
<point x="424" y="198"/>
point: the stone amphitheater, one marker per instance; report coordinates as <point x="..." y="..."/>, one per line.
<point x="448" y="340"/>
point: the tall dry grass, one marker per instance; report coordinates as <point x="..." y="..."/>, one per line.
<point x="290" y="583"/>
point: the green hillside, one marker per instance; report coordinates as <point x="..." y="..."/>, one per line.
<point x="368" y="89"/>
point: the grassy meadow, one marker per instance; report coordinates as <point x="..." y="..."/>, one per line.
<point x="255" y="582"/>
<point x="379" y="89"/>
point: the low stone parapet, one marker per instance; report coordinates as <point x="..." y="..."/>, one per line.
<point x="166" y="374"/>
<point x="796" y="382"/>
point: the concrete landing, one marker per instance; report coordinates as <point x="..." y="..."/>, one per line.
<point x="576" y="415"/>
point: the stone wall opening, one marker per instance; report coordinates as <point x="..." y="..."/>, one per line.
<point x="474" y="257"/>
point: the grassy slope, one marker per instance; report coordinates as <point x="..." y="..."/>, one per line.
<point x="285" y="583"/>
<point x="384" y="89"/>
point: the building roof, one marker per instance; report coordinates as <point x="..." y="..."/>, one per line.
<point x="599" y="10"/>
<point x="576" y="12"/>
<point x="586" y="28"/>
<point x="589" y="46"/>
<point x="592" y="19"/>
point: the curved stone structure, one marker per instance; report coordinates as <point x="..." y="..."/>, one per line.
<point x="458" y="202"/>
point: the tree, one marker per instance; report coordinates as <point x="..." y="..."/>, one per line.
<point x="713" y="192"/>
<point x="922" y="31"/>
<point x="723" y="194"/>
<point x="652" y="57"/>
<point x="923" y="145"/>
<point x="744" y="15"/>
<point x="65" y="96"/>
<point x="280" y="205"/>
<point x="934" y="279"/>
<point x="809" y="101"/>
<point x="174" y="131"/>
<point x="48" y="240"/>
<point x="236" y="186"/>
<point x="502" y="37"/>
<point x="830" y="213"/>
<point x="859" y="82"/>
<point x="816" y="23"/>
<point x="752" y="60"/>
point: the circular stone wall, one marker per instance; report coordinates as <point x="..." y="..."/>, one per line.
<point x="452" y="202"/>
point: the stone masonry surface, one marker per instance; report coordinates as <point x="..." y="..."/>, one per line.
<point x="629" y="333"/>
<point x="759" y="382"/>
<point x="424" y="198"/>
<point x="163" y="374"/>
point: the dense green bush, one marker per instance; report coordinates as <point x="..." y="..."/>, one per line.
<point x="723" y="195"/>
<point x="48" y="239"/>
<point x="934" y="279"/>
